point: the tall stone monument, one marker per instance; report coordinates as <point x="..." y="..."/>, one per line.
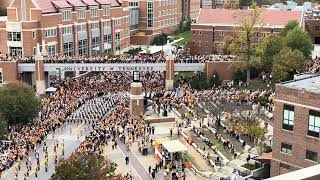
<point x="136" y="96"/>
<point x="40" y="77"/>
<point x="169" y="66"/>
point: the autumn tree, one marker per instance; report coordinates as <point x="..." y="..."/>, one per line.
<point x="86" y="166"/>
<point x="287" y="63"/>
<point x="243" y="44"/>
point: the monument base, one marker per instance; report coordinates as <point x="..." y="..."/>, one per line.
<point x="169" y="84"/>
<point x="40" y="87"/>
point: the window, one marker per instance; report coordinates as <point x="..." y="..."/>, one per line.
<point x="117" y="22"/>
<point x="95" y="46"/>
<point x="314" y="123"/>
<point x="94" y="25"/>
<point x="34" y="50"/>
<point x="127" y="32"/>
<point x="286" y="148"/>
<point x="108" y="42"/>
<point x="133" y="4"/>
<point x="288" y="117"/>
<point x="221" y="33"/>
<point x="310" y="155"/>
<point x="14" y="36"/>
<point x="52" y="50"/>
<point x="67" y="30"/>
<point x="51" y="33"/>
<point x="81" y="14"/>
<point x="83" y="47"/>
<point x="150" y="14"/>
<point x="206" y="43"/>
<point x="68" y="49"/>
<point x="106" y="10"/>
<point x="126" y="19"/>
<point x="106" y="24"/>
<point x="118" y="45"/>
<point x="1" y="77"/>
<point x="94" y="12"/>
<point x="81" y="27"/>
<point x="34" y="35"/>
<point x="66" y="15"/>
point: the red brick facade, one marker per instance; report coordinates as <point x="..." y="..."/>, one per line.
<point x="302" y="101"/>
<point x="8" y="71"/>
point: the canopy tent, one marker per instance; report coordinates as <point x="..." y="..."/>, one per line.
<point x="51" y="89"/>
<point x="174" y="146"/>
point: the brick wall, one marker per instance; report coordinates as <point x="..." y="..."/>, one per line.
<point x="223" y="68"/>
<point x="298" y="138"/>
<point x="9" y="71"/>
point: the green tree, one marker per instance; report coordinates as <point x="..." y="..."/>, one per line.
<point x="300" y="40"/>
<point x="245" y="3"/>
<point x="84" y="167"/>
<point x="287" y="63"/>
<point x="18" y="103"/>
<point x="290" y="26"/>
<point x="269" y="47"/>
<point x="243" y="44"/>
<point x="160" y="39"/>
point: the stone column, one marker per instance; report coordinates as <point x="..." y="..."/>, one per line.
<point x="136" y="99"/>
<point x="40" y="79"/>
<point x="169" y="72"/>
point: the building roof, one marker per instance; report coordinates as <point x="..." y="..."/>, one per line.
<point x="76" y="3"/>
<point x="226" y="17"/>
<point x="310" y="83"/>
<point x="61" y="4"/>
<point x="52" y="6"/>
<point x="305" y="173"/>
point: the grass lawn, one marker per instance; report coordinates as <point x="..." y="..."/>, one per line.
<point x="237" y="144"/>
<point x="186" y="38"/>
<point x="225" y="152"/>
<point x="200" y="111"/>
<point x="257" y="84"/>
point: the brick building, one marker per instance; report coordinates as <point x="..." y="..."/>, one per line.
<point x="313" y="25"/>
<point x="213" y="25"/>
<point x="150" y="18"/>
<point x="89" y="27"/>
<point x="296" y="140"/>
<point x="70" y="27"/>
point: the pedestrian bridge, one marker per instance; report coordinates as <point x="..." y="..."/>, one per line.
<point x="81" y="67"/>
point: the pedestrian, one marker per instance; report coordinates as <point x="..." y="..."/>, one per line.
<point x="127" y="160"/>
<point x="171" y="132"/>
<point x="149" y="169"/>
<point x="153" y="174"/>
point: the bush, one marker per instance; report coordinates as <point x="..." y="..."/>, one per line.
<point x="133" y="51"/>
<point x="200" y="81"/>
<point x="268" y="149"/>
<point x="249" y="166"/>
<point x="160" y="39"/>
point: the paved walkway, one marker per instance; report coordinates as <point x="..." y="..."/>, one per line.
<point x="133" y="160"/>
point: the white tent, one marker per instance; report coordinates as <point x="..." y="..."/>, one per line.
<point x="51" y="89"/>
<point x="152" y="50"/>
<point x="174" y="146"/>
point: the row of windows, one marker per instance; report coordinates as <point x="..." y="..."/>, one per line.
<point x="313" y="121"/>
<point x="81" y="13"/>
<point x="310" y="155"/>
<point x="133" y="4"/>
<point x="168" y="2"/>
<point x="51" y="33"/>
<point x="168" y="12"/>
<point x="14" y="36"/>
<point x="150" y="14"/>
<point x="171" y="21"/>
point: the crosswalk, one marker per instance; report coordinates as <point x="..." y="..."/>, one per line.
<point x="66" y="137"/>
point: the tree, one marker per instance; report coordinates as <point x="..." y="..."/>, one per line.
<point x="18" y="103"/>
<point x="287" y="63"/>
<point x="300" y="40"/>
<point x="243" y="44"/>
<point x="85" y="166"/>
<point x="160" y="39"/>
<point x="269" y="47"/>
<point x="289" y="26"/>
<point x="245" y="3"/>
